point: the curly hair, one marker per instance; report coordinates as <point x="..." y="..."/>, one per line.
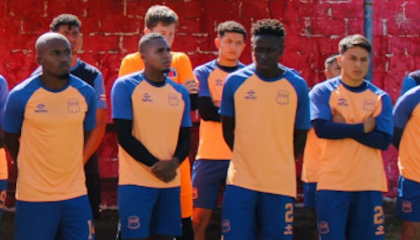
<point x="272" y="27"/>
<point x="230" y="26"/>
<point x="65" y="19"/>
<point x="160" y="14"/>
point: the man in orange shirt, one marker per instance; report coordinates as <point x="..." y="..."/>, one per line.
<point x="164" y="20"/>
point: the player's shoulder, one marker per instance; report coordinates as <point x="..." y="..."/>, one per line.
<point x="88" y="67"/>
<point x="376" y="90"/>
<point x="412" y="96"/>
<point x="25" y="89"/>
<point x="242" y="74"/>
<point x="178" y="87"/>
<point x="80" y="85"/>
<point x="3" y="81"/>
<point x="295" y="79"/>
<point x="327" y="86"/>
<point x="132" y="57"/>
<point x="132" y="79"/>
<point x="206" y="67"/>
<point x="415" y="75"/>
<point x="179" y="56"/>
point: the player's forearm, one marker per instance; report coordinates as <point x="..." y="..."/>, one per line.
<point x="12" y="144"/>
<point x="228" y="126"/>
<point x="375" y="139"/>
<point x="194" y="101"/>
<point x="299" y="141"/>
<point x="396" y="137"/>
<point x="131" y="145"/>
<point x="184" y="144"/>
<point x="207" y="110"/>
<point x="93" y="142"/>
<point x="330" y="130"/>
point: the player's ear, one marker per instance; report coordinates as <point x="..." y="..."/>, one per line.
<point x="340" y="59"/>
<point x="146" y="30"/>
<point x="217" y="42"/>
<point x="39" y="60"/>
<point x="327" y="74"/>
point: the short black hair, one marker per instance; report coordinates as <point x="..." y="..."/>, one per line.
<point x="160" y="14"/>
<point x="271" y="27"/>
<point x="355" y="40"/>
<point x="232" y="27"/>
<point x="148" y="38"/>
<point x="65" y="19"/>
<point x="330" y="60"/>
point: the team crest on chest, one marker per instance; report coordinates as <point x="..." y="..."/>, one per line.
<point x="173" y="99"/>
<point x="73" y="105"/>
<point x="369" y="105"/>
<point x="282" y="97"/>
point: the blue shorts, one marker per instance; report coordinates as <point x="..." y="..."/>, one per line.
<point x="350" y="215"/>
<point x="247" y="213"/>
<point x="207" y="178"/>
<point x="60" y="220"/>
<point x="148" y="211"/>
<point x="408" y="201"/>
<point x="309" y="193"/>
<point x="3" y="193"/>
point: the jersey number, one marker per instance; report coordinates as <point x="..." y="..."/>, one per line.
<point x="379" y="215"/>
<point x="2" y="199"/>
<point x="289" y="213"/>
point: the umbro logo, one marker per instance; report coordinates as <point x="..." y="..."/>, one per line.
<point x="219" y="82"/>
<point x="342" y="102"/>
<point x="147" y="98"/>
<point x="251" y="95"/>
<point x="41" y="108"/>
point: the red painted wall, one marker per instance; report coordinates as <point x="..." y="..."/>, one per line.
<point x="112" y="28"/>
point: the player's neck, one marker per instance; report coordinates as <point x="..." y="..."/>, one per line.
<point x="154" y="76"/>
<point x="53" y="82"/>
<point x="351" y="82"/>
<point x="270" y="73"/>
<point x="226" y="62"/>
<point x="74" y="60"/>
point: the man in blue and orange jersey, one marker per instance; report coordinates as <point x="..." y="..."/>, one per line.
<point x="406" y="134"/>
<point x="49" y="118"/>
<point x="163" y="20"/>
<point x="152" y="118"/>
<point x="265" y="119"/>
<point x="410" y="81"/>
<point x="313" y="148"/>
<point x="69" y="26"/>
<point x="213" y="157"/>
<point x="4" y="92"/>
<point x="354" y="118"/>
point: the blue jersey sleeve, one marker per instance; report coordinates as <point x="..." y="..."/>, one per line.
<point x="122" y="107"/>
<point x="319" y="101"/>
<point x="227" y="107"/>
<point x="408" y="83"/>
<point x="4" y="92"/>
<point x="405" y="106"/>
<point x="384" y="121"/>
<point x="303" y="119"/>
<point x="37" y="71"/>
<point x="100" y="95"/>
<point x="186" y="117"/>
<point x="14" y="110"/>
<point x="90" y="117"/>
<point x="202" y="75"/>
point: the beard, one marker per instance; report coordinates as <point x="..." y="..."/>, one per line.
<point x="64" y="76"/>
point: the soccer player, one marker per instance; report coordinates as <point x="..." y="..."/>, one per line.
<point x="265" y="119"/>
<point x="313" y="147"/>
<point x="210" y="168"/>
<point x="69" y="26"/>
<point x="355" y="119"/>
<point x="410" y="81"/>
<point x="4" y="92"/>
<point x="406" y="133"/>
<point x="163" y="20"/>
<point x="152" y="118"/>
<point x="49" y="118"/>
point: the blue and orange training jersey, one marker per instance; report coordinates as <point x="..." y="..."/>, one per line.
<point x="312" y="157"/>
<point x="158" y="112"/>
<point x="407" y="117"/>
<point x="4" y="92"/>
<point x="51" y="124"/>
<point x="266" y="112"/>
<point x="347" y="165"/>
<point x="212" y="145"/>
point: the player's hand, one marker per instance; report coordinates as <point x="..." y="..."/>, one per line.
<point x="166" y="170"/>
<point x="369" y="124"/>
<point x="338" y="118"/>
<point x="191" y="85"/>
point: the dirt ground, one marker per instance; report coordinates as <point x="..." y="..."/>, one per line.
<point x="304" y="225"/>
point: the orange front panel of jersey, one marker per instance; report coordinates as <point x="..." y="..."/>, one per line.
<point x="212" y="145"/>
<point x="157" y="115"/>
<point x="311" y="157"/>
<point x="263" y="158"/>
<point x="3" y="165"/>
<point x="347" y="165"/>
<point x="50" y="159"/>
<point x="409" y="151"/>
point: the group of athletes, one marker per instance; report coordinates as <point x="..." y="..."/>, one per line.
<point x="255" y="121"/>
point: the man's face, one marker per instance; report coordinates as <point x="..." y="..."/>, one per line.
<point x="230" y="45"/>
<point x="73" y="35"/>
<point x="333" y="70"/>
<point x="55" y="58"/>
<point x="167" y="31"/>
<point x="266" y="51"/>
<point x="157" y="55"/>
<point x="354" y="63"/>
